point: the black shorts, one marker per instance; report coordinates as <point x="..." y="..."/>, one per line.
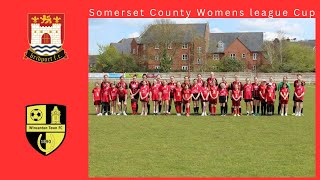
<point x="247" y="100"/>
<point x="299" y="100"/>
<point x="256" y="98"/>
<point x="195" y="94"/>
<point x="171" y="96"/>
<point x="222" y="99"/>
<point x="136" y="96"/>
<point x="122" y="100"/>
<point x="294" y="98"/>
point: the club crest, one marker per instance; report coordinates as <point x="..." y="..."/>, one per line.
<point x="45" y="127"/>
<point x="45" y="36"/>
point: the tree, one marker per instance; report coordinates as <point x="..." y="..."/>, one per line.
<point x="228" y="64"/>
<point x="165" y="61"/>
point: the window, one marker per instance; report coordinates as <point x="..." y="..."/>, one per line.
<point x="184" y="57"/>
<point x="254" y="68"/>
<point x="144" y="47"/>
<point x="198" y="61"/>
<point x="199" y="49"/>
<point x="170" y="46"/>
<point x="184" y="68"/>
<point x="220" y="46"/>
<point x="233" y="56"/>
<point x="133" y="51"/>
<point x="156" y="67"/>
<point x="243" y="56"/>
<point x="156" y="46"/>
<point x="156" y="57"/>
<point x="255" y="55"/>
<point x="184" y="46"/>
<point x="215" y="56"/>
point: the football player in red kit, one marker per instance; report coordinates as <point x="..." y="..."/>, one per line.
<point x="105" y="84"/>
<point x="299" y="91"/>
<point x="236" y="81"/>
<point x="186" y="96"/>
<point x="270" y="97"/>
<point x="165" y="96"/>
<point x="144" y="97"/>
<point x="114" y="95"/>
<point x="295" y="83"/>
<point x="223" y="93"/>
<point x="195" y="89"/>
<point x="105" y="98"/>
<point x="185" y="82"/>
<point x="177" y="97"/>
<point x="236" y="100"/>
<point x="274" y="87"/>
<point x="122" y="100"/>
<point x="247" y="95"/>
<point x="212" y="79"/>
<point x="145" y="78"/>
<point x="204" y="97"/>
<point x="213" y="99"/>
<point x="172" y="85"/>
<point x="284" y="98"/>
<point x="223" y="81"/>
<point x="256" y="96"/>
<point x="159" y="84"/>
<point x="154" y="93"/>
<point x="262" y="93"/>
<point x="134" y="94"/>
<point x="96" y="98"/>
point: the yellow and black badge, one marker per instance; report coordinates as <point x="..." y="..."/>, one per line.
<point x="46" y="126"/>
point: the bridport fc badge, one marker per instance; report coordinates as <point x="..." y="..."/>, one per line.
<point x="45" y="126"/>
<point x="45" y="36"/>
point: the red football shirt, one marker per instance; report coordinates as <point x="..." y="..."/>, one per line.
<point x="236" y="94"/>
<point x="196" y="89"/>
<point x="105" y="92"/>
<point x="284" y="92"/>
<point x="238" y="83"/>
<point x="299" y="90"/>
<point x="144" y="90"/>
<point x="270" y="94"/>
<point x="96" y="94"/>
<point x="186" y="93"/>
<point x="122" y="84"/>
<point x="223" y="92"/>
<point x="247" y="91"/>
<point x="255" y="87"/>
<point x="172" y="85"/>
<point x="214" y="91"/>
<point x="177" y="94"/>
<point x="114" y="92"/>
<point x="134" y="87"/>
<point x="205" y="92"/>
<point x="262" y="90"/>
<point x="122" y="93"/>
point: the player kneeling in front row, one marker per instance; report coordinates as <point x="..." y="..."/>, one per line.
<point x="299" y="96"/>
<point x="236" y="100"/>
<point x="187" y="98"/>
<point x="223" y="93"/>
<point x="205" y="93"/>
<point x="144" y="98"/>
<point x="177" y="98"/>
<point x="96" y="98"/>
<point x="122" y="100"/>
<point x="284" y="98"/>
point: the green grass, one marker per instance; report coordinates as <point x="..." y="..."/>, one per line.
<point x="171" y="146"/>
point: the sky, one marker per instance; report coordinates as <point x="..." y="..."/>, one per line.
<point x="107" y="30"/>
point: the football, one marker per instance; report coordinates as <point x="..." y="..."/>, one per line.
<point x="36" y="114"/>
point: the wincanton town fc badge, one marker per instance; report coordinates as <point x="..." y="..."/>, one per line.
<point x="45" y="36"/>
<point x="45" y="126"/>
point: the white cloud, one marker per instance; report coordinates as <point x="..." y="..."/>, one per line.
<point x="272" y="26"/>
<point x="215" y="30"/>
<point x="134" y="34"/>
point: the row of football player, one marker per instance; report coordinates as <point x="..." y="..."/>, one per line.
<point x="202" y="92"/>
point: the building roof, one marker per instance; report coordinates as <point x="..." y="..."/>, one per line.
<point x="123" y="46"/>
<point x="93" y="59"/>
<point x="187" y="32"/>
<point x="252" y="40"/>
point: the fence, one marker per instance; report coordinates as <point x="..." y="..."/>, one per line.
<point x="308" y="77"/>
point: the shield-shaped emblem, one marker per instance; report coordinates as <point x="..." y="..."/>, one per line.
<point x="45" y="126"/>
<point x="45" y="36"/>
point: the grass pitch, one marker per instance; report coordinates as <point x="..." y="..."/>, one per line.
<point x="195" y="146"/>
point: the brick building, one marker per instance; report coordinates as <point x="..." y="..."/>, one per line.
<point x="191" y="46"/>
